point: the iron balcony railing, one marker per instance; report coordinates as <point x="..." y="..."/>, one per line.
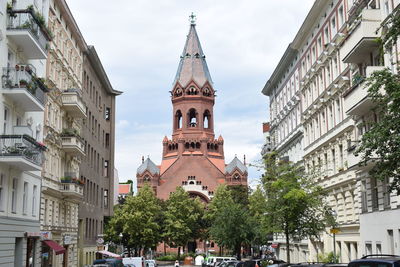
<point x="25" y="20"/>
<point x="22" y="146"/>
<point x="23" y="77"/>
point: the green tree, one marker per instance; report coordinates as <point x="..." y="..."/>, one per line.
<point x="182" y="219"/>
<point x="381" y="143"/>
<point x="294" y="205"/>
<point x="231" y="224"/>
<point x="257" y="209"/>
<point x="138" y="219"/>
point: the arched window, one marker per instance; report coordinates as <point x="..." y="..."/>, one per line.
<point x="197" y="145"/>
<point x="206" y="92"/>
<point x="178" y="117"/>
<point x="169" y="147"/>
<point x="212" y="146"/>
<point x="192" y="91"/>
<point x="178" y="92"/>
<point x="216" y="147"/>
<point x="206" y="119"/>
<point x="187" y="145"/>
<point x="192" y="115"/>
<point x="192" y="145"/>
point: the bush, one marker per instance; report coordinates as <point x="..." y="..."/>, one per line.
<point x="170" y="257"/>
<point x="328" y="258"/>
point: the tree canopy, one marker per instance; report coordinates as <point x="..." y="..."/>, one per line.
<point x="294" y="205"/>
<point x="182" y="218"/>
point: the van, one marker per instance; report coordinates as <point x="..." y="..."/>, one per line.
<point x="136" y="261"/>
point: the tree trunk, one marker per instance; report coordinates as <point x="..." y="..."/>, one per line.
<point x="287" y="245"/>
<point x="165" y="249"/>
<point x="179" y="253"/>
<point x="238" y="252"/>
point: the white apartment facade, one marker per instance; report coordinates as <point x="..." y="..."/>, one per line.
<point x="62" y="187"/>
<point x="284" y="133"/>
<point x="23" y="53"/>
<point x="379" y="210"/>
<point x="331" y="52"/>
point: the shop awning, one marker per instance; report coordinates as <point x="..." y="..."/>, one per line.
<point x="108" y="253"/>
<point x="54" y="246"/>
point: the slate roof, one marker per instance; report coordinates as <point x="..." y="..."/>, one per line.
<point x="193" y="62"/>
<point x="235" y="163"/>
<point x="148" y="165"/>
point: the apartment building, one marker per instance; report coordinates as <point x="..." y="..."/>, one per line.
<point x="97" y="168"/>
<point x="379" y="210"/>
<point x="62" y="188"/>
<point x="331" y="55"/>
<point x="23" y="52"/>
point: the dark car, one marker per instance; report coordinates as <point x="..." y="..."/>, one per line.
<point x="109" y="262"/>
<point x="377" y="260"/>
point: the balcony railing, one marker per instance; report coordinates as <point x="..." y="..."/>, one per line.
<point x="22" y="84"/>
<point x="21" y="146"/>
<point x="27" y="20"/>
<point x="72" y="142"/>
<point x="71" y="186"/>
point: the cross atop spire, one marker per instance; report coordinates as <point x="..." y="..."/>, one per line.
<point x="192" y="65"/>
<point x="192" y="19"/>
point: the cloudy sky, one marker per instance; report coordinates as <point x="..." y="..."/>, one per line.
<point x="140" y="41"/>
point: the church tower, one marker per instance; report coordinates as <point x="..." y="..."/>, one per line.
<point x="193" y="157"/>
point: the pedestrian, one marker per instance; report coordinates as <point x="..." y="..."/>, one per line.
<point x="176" y="263"/>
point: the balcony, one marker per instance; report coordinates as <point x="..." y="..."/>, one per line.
<point x="73" y="103"/>
<point x="71" y="187"/>
<point x="356" y="100"/>
<point x="362" y="37"/>
<point x="22" y="152"/>
<point x="28" y="32"/>
<point x="72" y="143"/>
<point x="21" y="85"/>
<point x="355" y="161"/>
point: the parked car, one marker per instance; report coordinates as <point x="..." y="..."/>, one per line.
<point x="229" y="263"/>
<point x="150" y="263"/>
<point x="109" y="262"/>
<point x="376" y="260"/>
<point x="212" y="261"/>
<point x="135" y="261"/>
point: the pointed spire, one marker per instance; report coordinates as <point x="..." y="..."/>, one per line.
<point x="192" y="65"/>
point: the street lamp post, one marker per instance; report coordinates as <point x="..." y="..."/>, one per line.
<point x="334" y="231"/>
<point x="120" y="243"/>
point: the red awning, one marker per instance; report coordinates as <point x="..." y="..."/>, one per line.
<point x="54" y="246"/>
<point x="275" y="245"/>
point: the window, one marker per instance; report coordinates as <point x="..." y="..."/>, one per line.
<point x="1" y="192"/>
<point x="105" y="170"/>
<point x="107" y="140"/>
<point x="206" y="119"/>
<point x="14" y="195"/>
<point x="106" y="198"/>
<point x="107" y="114"/>
<point x="364" y="200"/>
<point x="333" y="26"/>
<point x="374" y="194"/>
<point x="178" y="118"/>
<point x="326" y="36"/>
<point x="333" y="161"/>
<point x="341" y="16"/>
<point x="6" y="120"/>
<point x="192" y="115"/>
<point x="25" y="198"/>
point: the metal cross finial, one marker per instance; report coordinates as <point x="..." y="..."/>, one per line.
<point x="192" y="19"/>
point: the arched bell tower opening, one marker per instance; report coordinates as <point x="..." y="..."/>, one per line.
<point x="178" y="119"/>
<point x="207" y="124"/>
<point x="192" y="118"/>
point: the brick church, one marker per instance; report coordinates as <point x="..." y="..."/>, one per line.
<point x="193" y="157"/>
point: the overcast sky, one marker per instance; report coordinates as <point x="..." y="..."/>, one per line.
<point x="140" y="41"/>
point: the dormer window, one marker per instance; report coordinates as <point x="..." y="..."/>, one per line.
<point x="236" y="176"/>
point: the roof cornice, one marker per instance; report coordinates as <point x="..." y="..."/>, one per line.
<point x="98" y="68"/>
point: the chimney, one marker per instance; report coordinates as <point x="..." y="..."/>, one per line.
<point x="142" y="159"/>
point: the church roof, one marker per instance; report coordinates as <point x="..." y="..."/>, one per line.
<point x="148" y="165"/>
<point x="235" y="163"/>
<point x="192" y="65"/>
